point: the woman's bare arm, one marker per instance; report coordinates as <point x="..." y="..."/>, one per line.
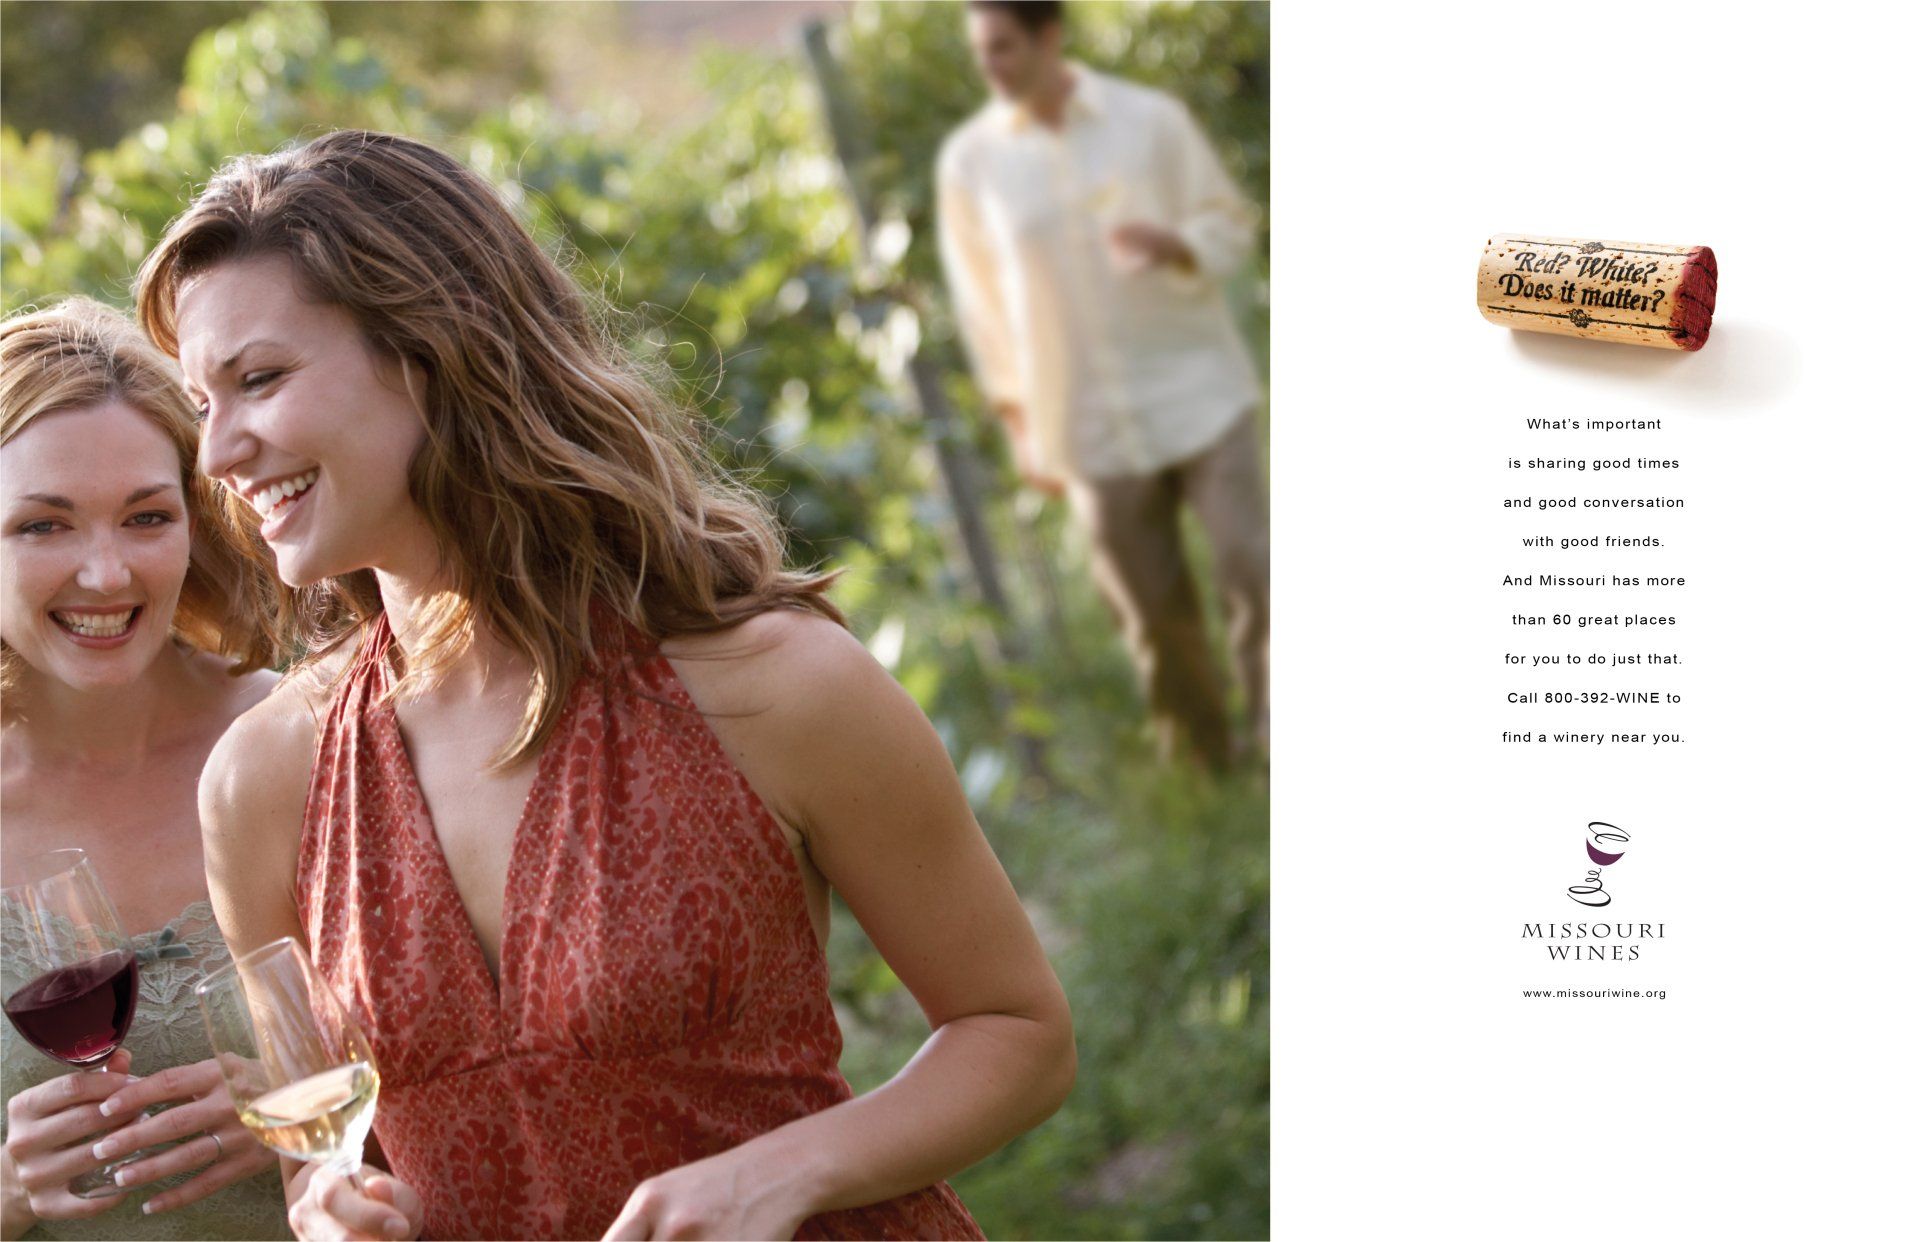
<point x="838" y="750"/>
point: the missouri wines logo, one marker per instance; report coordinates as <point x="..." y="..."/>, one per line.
<point x="1606" y="845"/>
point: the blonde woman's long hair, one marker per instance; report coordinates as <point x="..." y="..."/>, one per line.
<point x="80" y="353"/>
<point x="557" y="480"/>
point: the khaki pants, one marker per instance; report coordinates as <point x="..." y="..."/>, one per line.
<point x="1138" y="561"/>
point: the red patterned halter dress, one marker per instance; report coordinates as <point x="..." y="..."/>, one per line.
<point x="661" y="996"/>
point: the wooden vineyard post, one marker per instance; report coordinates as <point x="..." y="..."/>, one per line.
<point x="957" y="468"/>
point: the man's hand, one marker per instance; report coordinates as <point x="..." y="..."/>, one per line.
<point x="1025" y="459"/>
<point x="1137" y="246"/>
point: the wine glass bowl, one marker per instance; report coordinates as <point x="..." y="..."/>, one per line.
<point x="72" y="994"/>
<point x="300" y="1071"/>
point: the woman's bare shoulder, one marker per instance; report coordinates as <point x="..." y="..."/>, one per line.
<point x="263" y="762"/>
<point x="253" y="798"/>
<point x="771" y="664"/>
<point x="807" y="714"/>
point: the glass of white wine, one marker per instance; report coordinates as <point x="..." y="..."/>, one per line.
<point x="300" y="1071"/>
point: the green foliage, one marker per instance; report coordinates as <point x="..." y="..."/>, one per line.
<point x="1150" y="892"/>
<point x="726" y="253"/>
<point x="95" y="71"/>
<point x="92" y="72"/>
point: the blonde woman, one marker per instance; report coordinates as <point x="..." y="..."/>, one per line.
<point x="130" y="639"/>
<point x="559" y="804"/>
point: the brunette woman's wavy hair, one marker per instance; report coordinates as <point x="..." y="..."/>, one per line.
<point x="556" y="478"/>
<point x="80" y="353"/>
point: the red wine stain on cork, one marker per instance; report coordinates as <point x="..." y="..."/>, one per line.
<point x="1693" y="299"/>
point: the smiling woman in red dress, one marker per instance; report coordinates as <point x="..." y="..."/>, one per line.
<point x="557" y="803"/>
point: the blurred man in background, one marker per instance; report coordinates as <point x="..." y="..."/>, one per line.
<point x="1087" y="230"/>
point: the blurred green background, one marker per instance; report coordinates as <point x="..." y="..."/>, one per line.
<point x="677" y="156"/>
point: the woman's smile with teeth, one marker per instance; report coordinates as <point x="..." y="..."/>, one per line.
<point x="272" y="496"/>
<point x="96" y="624"/>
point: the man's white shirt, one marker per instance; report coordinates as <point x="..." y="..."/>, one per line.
<point x="1118" y="372"/>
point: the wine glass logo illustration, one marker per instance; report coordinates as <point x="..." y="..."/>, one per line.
<point x="1606" y="845"/>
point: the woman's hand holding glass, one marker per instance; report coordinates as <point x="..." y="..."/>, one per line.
<point x="45" y="1126"/>
<point x="371" y="1207"/>
<point x="203" y="1124"/>
<point x="299" y="1070"/>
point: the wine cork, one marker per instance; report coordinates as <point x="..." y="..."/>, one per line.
<point x="1631" y="292"/>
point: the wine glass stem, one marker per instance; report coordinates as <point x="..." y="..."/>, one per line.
<point x="348" y="1170"/>
<point x="98" y="1183"/>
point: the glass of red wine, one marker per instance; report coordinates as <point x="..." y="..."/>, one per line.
<point x="72" y="992"/>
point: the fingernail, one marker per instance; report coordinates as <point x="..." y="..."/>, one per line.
<point x="146" y="1209"/>
<point x="103" y="1150"/>
<point x="122" y="1177"/>
<point x="109" y="1108"/>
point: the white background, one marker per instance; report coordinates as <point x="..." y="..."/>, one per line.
<point x="1417" y="1094"/>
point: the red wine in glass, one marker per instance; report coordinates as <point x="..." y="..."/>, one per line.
<point x="72" y="990"/>
<point x="78" y="1014"/>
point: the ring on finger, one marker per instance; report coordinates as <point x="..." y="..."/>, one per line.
<point x="219" y="1148"/>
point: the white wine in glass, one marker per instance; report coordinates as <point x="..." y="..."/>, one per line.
<point x="300" y="1070"/>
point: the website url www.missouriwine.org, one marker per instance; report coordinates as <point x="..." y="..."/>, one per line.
<point x="1661" y="994"/>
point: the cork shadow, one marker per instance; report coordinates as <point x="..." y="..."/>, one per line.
<point x="1742" y="366"/>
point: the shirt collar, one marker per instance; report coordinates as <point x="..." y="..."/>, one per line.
<point x="1089" y="99"/>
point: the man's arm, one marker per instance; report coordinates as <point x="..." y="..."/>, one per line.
<point x="973" y="283"/>
<point x="1215" y="220"/>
